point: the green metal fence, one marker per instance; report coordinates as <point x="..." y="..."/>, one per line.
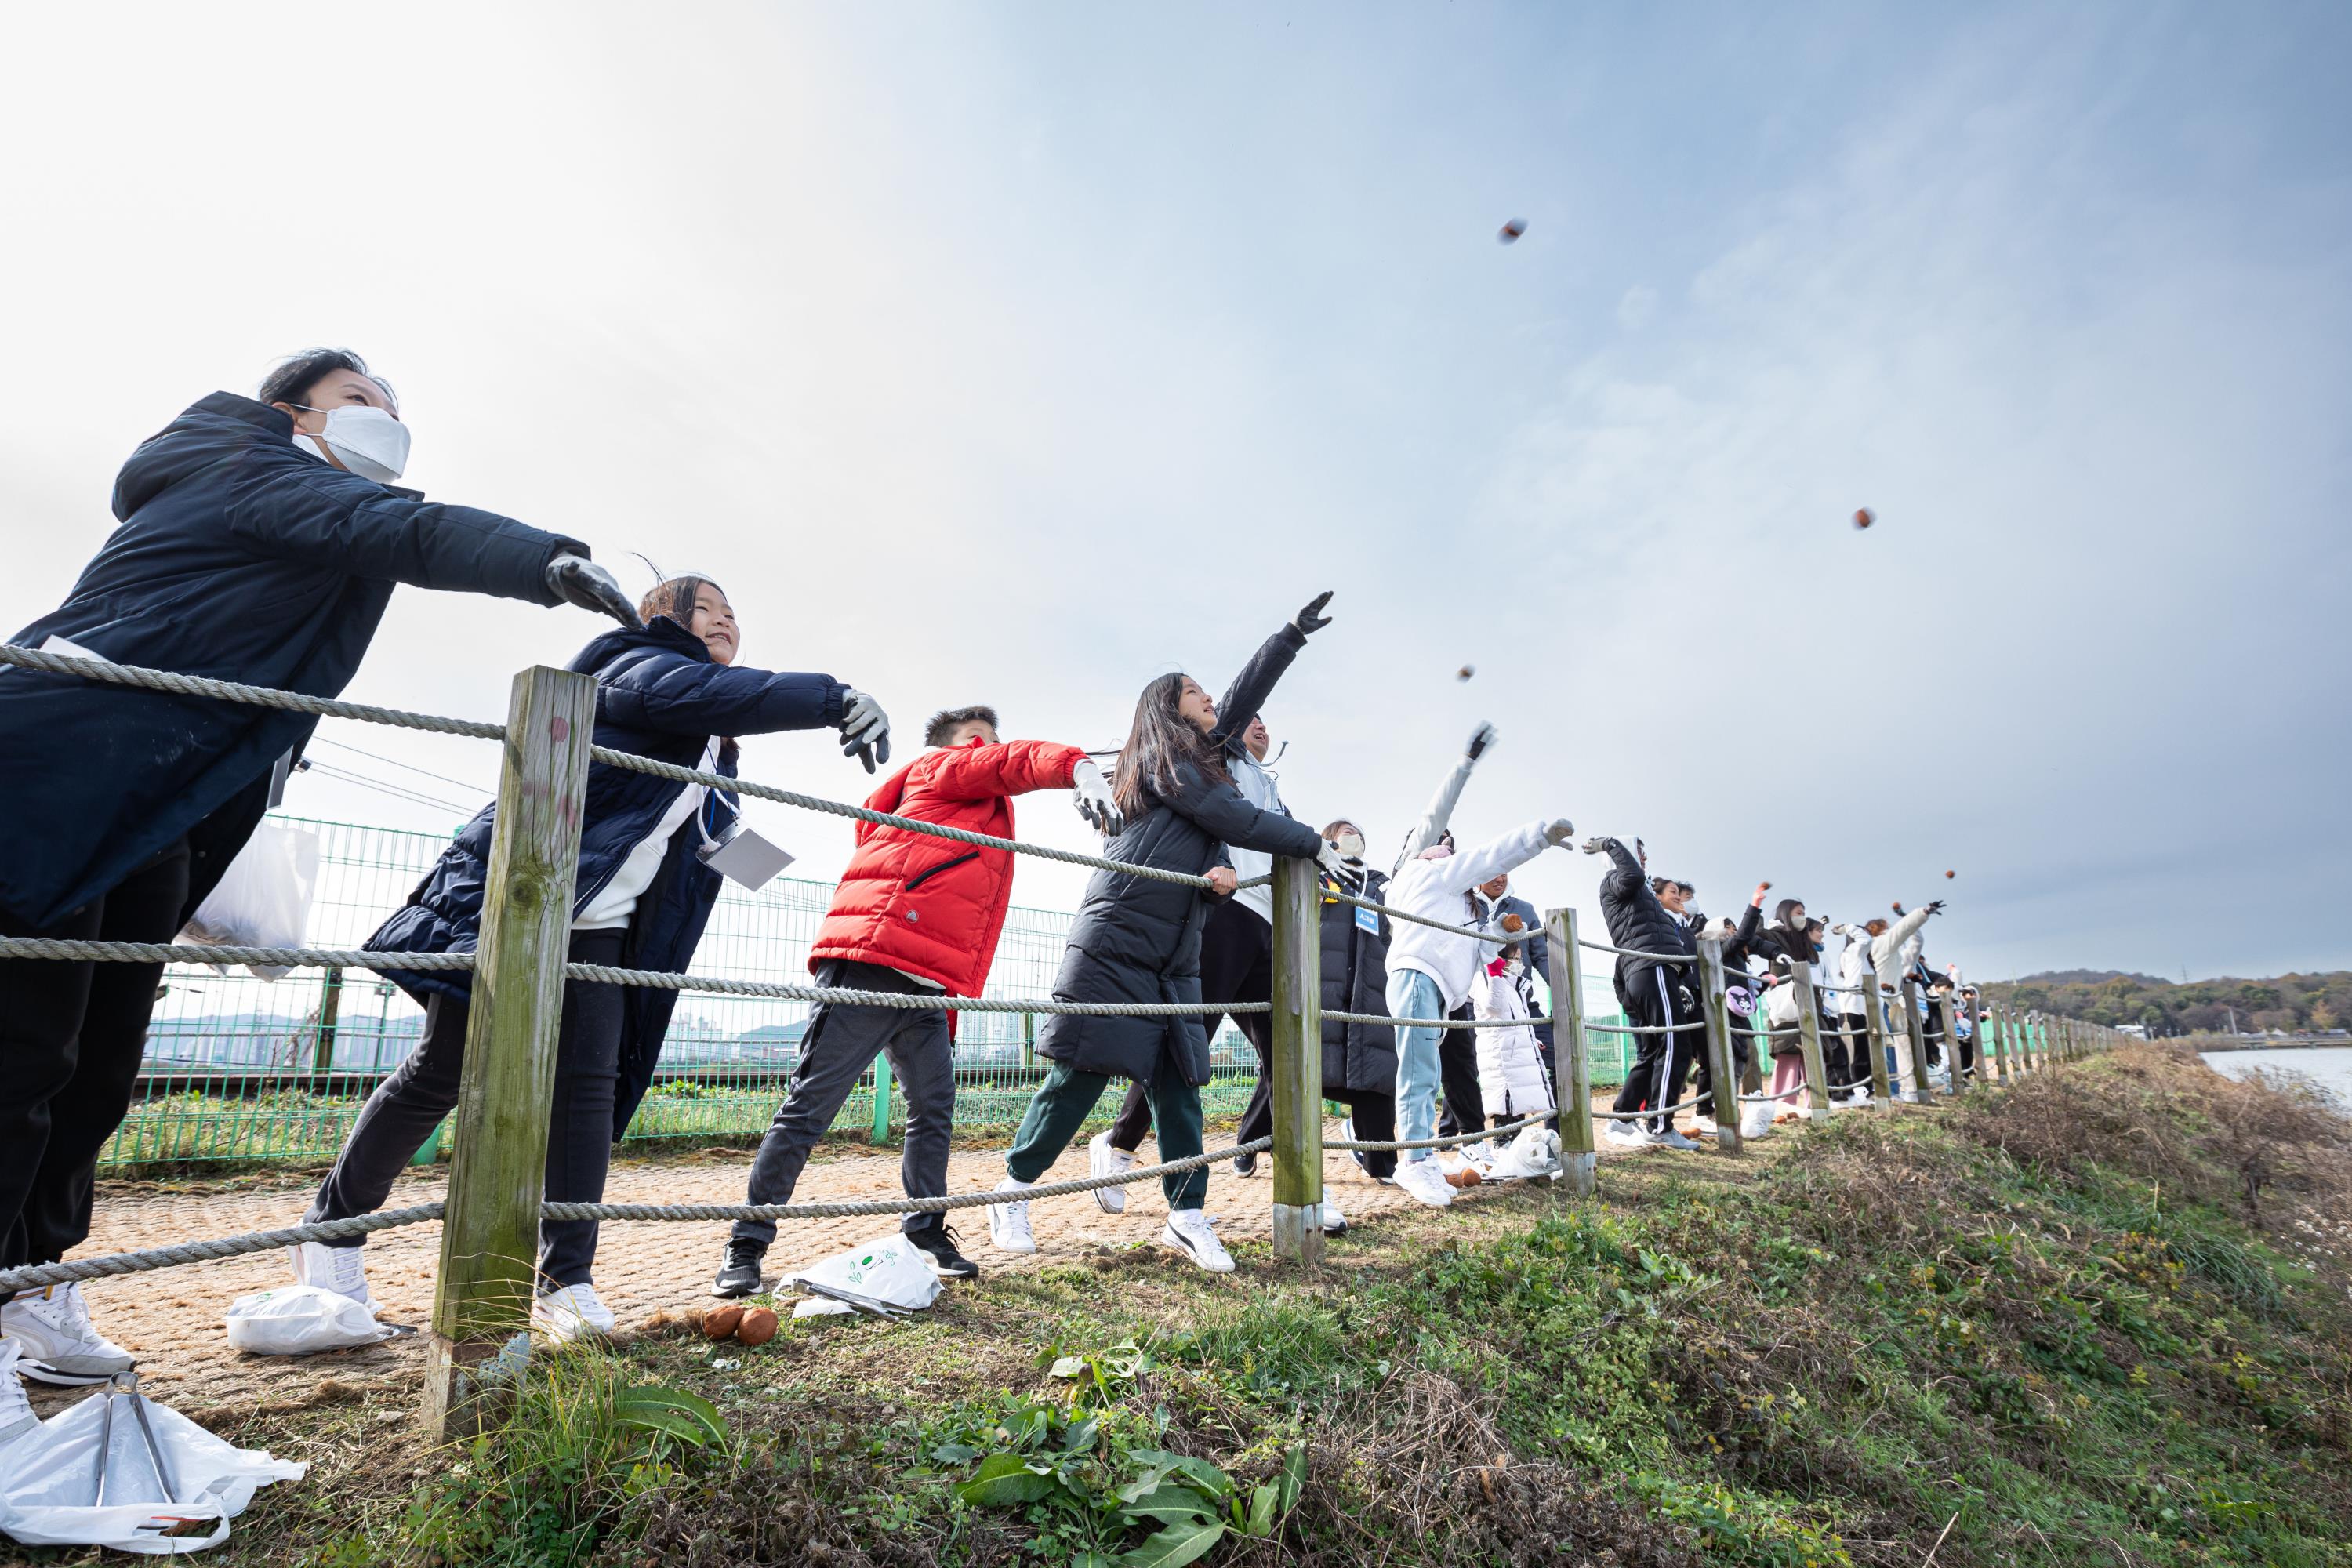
<point x="239" y="1069"/>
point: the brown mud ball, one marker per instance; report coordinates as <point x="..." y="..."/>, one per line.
<point x="720" y="1323"/>
<point x="757" y="1327"/>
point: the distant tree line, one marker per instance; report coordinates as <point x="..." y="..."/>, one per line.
<point x="2295" y="1003"/>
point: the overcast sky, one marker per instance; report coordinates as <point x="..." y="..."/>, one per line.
<point x="1016" y="353"/>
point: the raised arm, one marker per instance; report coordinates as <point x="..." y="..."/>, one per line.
<point x="670" y="691"/>
<point x="1256" y="683"/>
<point x="1466" y="869"/>
<point x="1432" y="824"/>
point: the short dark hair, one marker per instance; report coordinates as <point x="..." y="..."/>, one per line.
<point x="674" y="597"/>
<point x="948" y="720"/>
<point x="292" y="379"/>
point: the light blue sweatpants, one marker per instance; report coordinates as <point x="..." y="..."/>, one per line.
<point x="1413" y="994"/>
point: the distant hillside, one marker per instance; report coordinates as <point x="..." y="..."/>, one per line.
<point x="2289" y="1002"/>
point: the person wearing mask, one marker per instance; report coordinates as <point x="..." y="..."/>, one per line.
<point x="1656" y="990"/>
<point x="1137" y="939"/>
<point x="1432" y="972"/>
<point x="671" y="690"/>
<point x="1784" y="944"/>
<point x="1457" y="1051"/>
<point x="1740" y="955"/>
<point x="1237" y="942"/>
<point x="260" y="540"/>
<point x="914" y="914"/>
<point x="1360" y="1061"/>
<point x="1536" y="953"/>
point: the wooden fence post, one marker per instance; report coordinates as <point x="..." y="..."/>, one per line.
<point x="1922" y="1091"/>
<point x="1809" y="1039"/>
<point x="1572" y="1064"/>
<point x="1298" y="1061"/>
<point x="1992" y="1052"/>
<point x="880" y="1132"/>
<point x="1722" y="1079"/>
<point x="1874" y="1035"/>
<point x="489" y="1232"/>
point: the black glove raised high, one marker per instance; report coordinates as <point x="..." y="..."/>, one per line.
<point x="1480" y="739"/>
<point x="1311" y="620"/>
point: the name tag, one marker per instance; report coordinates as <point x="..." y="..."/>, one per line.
<point x="745" y="858"/>
<point x="1368" y="920"/>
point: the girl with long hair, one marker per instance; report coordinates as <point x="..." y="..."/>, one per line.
<point x="1138" y="939"/>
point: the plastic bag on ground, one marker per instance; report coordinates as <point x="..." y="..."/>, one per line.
<point x="48" y="1480"/>
<point x="1534" y="1153"/>
<point x="301" y="1320"/>
<point x="264" y="898"/>
<point x="1755" y="1120"/>
<point x="890" y="1268"/>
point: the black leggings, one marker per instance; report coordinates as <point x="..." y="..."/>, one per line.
<point x="408" y="1106"/>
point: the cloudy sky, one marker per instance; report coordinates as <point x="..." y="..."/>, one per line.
<point x="1016" y="353"/>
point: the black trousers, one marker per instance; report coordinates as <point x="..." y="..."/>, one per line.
<point x="1660" y="1061"/>
<point x="72" y="1038"/>
<point x="1933" y="1028"/>
<point x="839" y="1043"/>
<point x="408" y="1106"/>
<point x="1457" y="1078"/>
<point x="1236" y="965"/>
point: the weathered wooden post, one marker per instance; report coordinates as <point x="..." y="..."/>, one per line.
<point x="1808" y="1037"/>
<point x="1298" y="1061"/>
<point x="1922" y="1091"/>
<point x="1992" y="1052"/>
<point x="1874" y="1035"/>
<point x="1572" y="1063"/>
<point x="489" y="1232"/>
<point x="1721" y="1077"/>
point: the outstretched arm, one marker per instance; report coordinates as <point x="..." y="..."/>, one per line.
<point x="1433" y="823"/>
<point x="1256" y="683"/>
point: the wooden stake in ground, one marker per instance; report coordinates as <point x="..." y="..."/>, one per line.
<point x="1808" y="1037"/>
<point x="1917" y="1032"/>
<point x="1873" y="1034"/>
<point x="489" y="1235"/>
<point x="1571" y="1058"/>
<point x="1297" y="1066"/>
<point x="1722" y="1079"/>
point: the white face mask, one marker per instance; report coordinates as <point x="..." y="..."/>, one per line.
<point x="368" y="441"/>
<point x="1514" y="967"/>
<point x="1349" y="844"/>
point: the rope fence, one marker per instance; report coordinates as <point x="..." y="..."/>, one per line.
<point x="545" y="756"/>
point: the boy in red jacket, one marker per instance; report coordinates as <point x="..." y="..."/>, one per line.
<point x="915" y="914"/>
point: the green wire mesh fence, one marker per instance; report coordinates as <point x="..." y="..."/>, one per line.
<point x="243" y="1070"/>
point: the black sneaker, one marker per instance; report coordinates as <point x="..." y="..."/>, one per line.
<point x="938" y="1242"/>
<point x="740" y="1275"/>
<point x="1246" y="1164"/>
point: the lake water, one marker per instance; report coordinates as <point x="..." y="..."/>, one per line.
<point x="2330" y="1067"/>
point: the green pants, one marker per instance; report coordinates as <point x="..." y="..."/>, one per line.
<point x="1063" y="1102"/>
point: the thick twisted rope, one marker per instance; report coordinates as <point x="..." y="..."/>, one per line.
<point x="1646" y="1029"/>
<point x="1363" y="1148"/>
<point x="1629" y="953"/>
<point x="1475" y="933"/>
<point x="779" y="990"/>
<point x="1335" y="1014"/>
<point x="198" y="952"/>
<point x="1646" y="1114"/>
<point x="45" y="1274"/>
<point x="238" y="692"/>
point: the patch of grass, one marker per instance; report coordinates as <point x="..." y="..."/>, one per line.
<point x="2055" y="1325"/>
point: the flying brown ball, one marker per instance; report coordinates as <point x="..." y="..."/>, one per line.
<point x="1511" y="231"/>
<point x="1861" y="517"/>
<point x="1950" y="875"/>
<point x="1466" y="673"/>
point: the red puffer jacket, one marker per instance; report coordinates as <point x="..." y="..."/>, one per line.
<point x="931" y="906"/>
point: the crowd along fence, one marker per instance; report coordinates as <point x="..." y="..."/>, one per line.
<point x="495" y="1202"/>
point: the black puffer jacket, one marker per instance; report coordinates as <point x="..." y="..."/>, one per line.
<point x="1356" y="980"/>
<point x="1637" y="920"/>
<point x="1138" y="939"/>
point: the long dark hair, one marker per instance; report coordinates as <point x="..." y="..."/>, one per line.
<point x="1159" y="742"/>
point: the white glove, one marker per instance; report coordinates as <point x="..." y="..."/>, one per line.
<point x="1559" y="831"/>
<point x="576" y="580"/>
<point x="1335" y="865"/>
<point x="1093" y="798"/>
<point x="865" y="729"/>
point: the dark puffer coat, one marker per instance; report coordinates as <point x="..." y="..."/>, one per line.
<point x="240" y="557"/>
<point x="1356" y="980"/>
<point x="1639" y="922"/>
<point x="658" y="695"/>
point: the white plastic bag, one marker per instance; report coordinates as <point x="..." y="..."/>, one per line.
<point x="301" y="1320"/>
<point x="1755" y="1120"/>
<point x="889" y="1269"/>
<point x="48" y="1480"/>
<point x="263" y="899"/>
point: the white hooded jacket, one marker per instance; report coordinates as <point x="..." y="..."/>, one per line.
<point x="1511" y="1076"/>
<point x="1439" y="889"/>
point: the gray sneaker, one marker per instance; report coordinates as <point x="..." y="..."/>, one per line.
<point x="1670" y="1139"/>
<point x="17" y="1416"/>
<point x="61" y="1344"/>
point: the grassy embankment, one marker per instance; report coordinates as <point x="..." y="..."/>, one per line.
<point x="2100" y="1318"/>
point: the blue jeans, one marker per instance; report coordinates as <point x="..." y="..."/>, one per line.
<point x="1413" y="994"/>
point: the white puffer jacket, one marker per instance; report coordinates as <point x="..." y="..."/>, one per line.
<point x="1439" y="890"/>
<point x="1511" y="1076"/>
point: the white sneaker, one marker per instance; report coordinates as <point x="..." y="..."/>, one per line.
<point x="1423" y="1182"/>
<point x="343" y="1269"/>
<point x="1670" y="1139"/>
<point x="1626" y="1136"/>
<point x="60" y="1345"/>
<point x="1191" y="1232"/>
<point x="1334" y="1222"/>
<point x="1008" y="1224"/>
<point x="17" y="1416"/>
<point x="1104" y="1158"/>
<point x="571" y="1314"/>
<point x="1705" y="1123"/>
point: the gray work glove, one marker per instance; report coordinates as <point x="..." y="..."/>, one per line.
<point x="1559" y="831"/>
<point x="1092" y="796"/>
<point x="865" y="729"/>
<point x="1335" y="865"/>
<point x="1310" y="621"/>
<point x="576" y="580"/>
<point x="1597" y="845"/>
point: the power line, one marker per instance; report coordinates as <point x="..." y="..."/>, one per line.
<point x="328" y="770"/>
<point x="395" y="762"/>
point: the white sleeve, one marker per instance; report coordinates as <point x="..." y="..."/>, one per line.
<point x="1431" y="826"/>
